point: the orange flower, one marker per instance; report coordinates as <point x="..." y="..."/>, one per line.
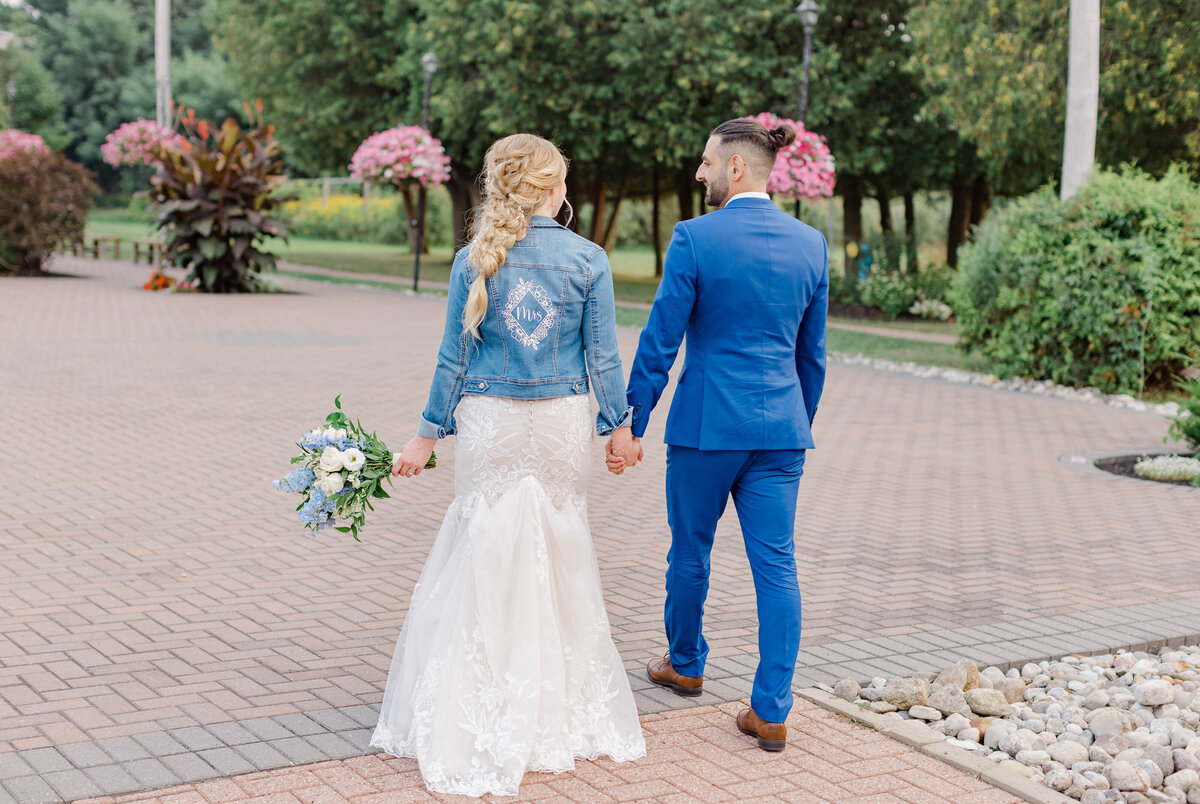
<point x="202" y="129"/>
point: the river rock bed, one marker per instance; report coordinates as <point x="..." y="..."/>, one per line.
<point x="1116" y="727"/>
<point x="1091" y="396"/>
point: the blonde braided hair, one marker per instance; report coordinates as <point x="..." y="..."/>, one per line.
<point x="520" y="171"/>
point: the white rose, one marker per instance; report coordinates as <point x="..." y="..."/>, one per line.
<point x="353" y="459"/>
<point x="332" y="484"/>
<point x="331" y="459"/>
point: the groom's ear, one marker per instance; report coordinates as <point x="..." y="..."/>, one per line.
<point x="737" y="167"/>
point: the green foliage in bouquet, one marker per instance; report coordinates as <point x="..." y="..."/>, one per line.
<point x="215" y="198"/>
<point x="342" y="468"/>
<point x="44" y="201"/>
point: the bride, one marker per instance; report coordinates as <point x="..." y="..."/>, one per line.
<point x="505" y="663"/>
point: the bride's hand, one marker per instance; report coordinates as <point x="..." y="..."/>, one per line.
<point x="623" y="450"/>
<point x="413" y="456"/>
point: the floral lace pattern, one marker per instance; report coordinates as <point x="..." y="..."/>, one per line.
<point x="506" y="662"/>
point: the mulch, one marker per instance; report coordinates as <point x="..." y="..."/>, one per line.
<point x="1123" y="466"/>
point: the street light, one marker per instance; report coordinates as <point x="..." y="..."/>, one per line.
<point x="808" y="11"/>
<point x="430" y="63"/>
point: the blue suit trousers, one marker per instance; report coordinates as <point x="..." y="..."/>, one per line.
<point x="764" y="485"/>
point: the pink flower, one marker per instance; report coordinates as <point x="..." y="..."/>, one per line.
<point x="14" y="142"/>
<point x="803" y="169"/>
<point x="401" y="155"/>
<point x="131" y="143"/>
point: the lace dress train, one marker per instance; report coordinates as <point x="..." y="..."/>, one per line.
<point x="506" y="663"/>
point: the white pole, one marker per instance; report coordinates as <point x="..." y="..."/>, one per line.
<point x="1083" y="96"/>
<point x="162" y="61"/>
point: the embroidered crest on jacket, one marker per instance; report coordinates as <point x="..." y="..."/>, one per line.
<point x="529" y="313"/>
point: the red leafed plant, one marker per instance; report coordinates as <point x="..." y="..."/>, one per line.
<point x="215" y="195"/>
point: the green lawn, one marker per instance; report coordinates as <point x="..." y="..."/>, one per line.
<point x="633" y="280"/>
<point x="928" y="354"/>
<point x="633" y="269"/>
<point x="939" y="327"/>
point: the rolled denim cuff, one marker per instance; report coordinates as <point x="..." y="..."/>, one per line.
<point x="427" y="429"/>
<point x="604" y="428"/>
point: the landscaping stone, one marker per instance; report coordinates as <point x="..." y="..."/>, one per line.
<point x="1114" y="727"/>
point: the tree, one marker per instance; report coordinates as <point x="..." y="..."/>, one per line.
<point x="35" y="104"/>
<point x="325" y="71"/>
<point x="1011" y="103"/>
<point x="199" y="81"/>
<point x="89" y="50"/>
<point x="867" y="99"/>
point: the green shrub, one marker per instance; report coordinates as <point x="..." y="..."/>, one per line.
<point x="1103" y="290"/>
<point x="1186" y="426"/>
<point x="44" y="201"/>
<point x="934" y="282"/>
<point x="891" y="292"/>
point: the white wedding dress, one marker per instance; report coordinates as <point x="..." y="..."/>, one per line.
<point x="506" y="663"/>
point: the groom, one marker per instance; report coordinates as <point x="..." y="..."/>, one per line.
<point x="748" y="285"/>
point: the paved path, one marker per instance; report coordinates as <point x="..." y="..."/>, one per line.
<point x="162" y="620"/>
<point x="692" y="755"/>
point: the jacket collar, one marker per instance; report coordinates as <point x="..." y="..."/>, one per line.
<point x="753" y="203"/>
<point x="543" y="222"/>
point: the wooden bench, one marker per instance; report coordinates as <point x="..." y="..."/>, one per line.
<point x="95" y="243"/>
<point x="153" y="250"/>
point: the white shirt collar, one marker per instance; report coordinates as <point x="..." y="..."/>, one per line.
<point x="763" y="196"/>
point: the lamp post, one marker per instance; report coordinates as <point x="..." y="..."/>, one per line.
<point x="808" y="11"/>
<point x="430" y="63"/>
<point x="162" y="62"/>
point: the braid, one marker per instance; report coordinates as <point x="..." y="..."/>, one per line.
<point x="520" y="171"/>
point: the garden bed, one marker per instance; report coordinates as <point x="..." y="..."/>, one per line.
<point x="1122" y="466"/>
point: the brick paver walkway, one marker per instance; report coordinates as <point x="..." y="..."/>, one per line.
<point x="163" y="621"/>
<point x="692" y="755"/>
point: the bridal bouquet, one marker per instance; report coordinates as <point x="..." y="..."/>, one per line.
<point x="342" y="467"/>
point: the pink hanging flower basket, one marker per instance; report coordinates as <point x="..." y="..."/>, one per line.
<point x="804" y="169"/>
<point x="402" y="155"/>
<point x="132" y="143"/>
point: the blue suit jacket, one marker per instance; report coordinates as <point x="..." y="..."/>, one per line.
<point x="749" y="286"/>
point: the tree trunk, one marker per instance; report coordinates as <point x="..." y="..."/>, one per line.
<point x="852" y="196"/>
<point x="610" y="229"/>
<point x="574" y="194"/>
<point x="683" y="189"/>
<point x="410" y="212"/>
<point x="981" y="200"/>
<point x="885" y="209"/>
<point x="599" y="202"/>
<point x="911" y="259"/>
<point x="656" y="224"/>
<point x="960" y="207"/>
<point x="1083" y="93"/>
<point x="464" y="197"/>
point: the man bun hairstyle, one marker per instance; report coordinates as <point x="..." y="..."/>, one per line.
<point x="782" y="136"/>
<point x="756" y="144"/>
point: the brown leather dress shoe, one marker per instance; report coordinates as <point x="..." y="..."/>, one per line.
<point x="771" y="736"/>
<point x="663" y="674"/>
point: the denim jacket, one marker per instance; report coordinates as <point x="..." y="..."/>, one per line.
<point x="550" y="323"/>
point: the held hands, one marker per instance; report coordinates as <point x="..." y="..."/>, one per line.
<point x="622" y="450"/>
<point x="411" y="460"/>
